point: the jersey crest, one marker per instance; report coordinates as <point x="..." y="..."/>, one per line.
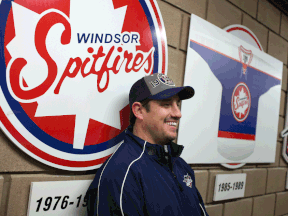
<point x="246" y="57"/>
<point x="241" y="102"/>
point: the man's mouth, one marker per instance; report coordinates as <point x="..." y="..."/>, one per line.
<point x="174" y="124"/>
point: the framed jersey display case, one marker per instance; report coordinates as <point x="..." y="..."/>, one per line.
<point x="233" y="116"/>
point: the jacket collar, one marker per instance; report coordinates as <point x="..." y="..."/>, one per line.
<point x="174" y="149"/>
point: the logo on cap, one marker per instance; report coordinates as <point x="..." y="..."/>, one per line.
<point x="165" y="80"/>
<point x="155" y="83"/>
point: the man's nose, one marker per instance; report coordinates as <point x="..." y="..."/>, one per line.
<point x="176" y="112"/>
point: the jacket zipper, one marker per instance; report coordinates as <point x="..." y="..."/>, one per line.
<point x="169" y="162"/>
<point x="175" y="177"/>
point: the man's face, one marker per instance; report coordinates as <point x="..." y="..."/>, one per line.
<point x="162" y="119"/>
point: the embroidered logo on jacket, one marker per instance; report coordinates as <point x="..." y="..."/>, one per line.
<point x="188" y="180"/>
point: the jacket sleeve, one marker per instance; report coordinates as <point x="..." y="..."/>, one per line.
<point x="115" y="195"/>
<point x="202" y="206"/>
<point x="202" y="203"/>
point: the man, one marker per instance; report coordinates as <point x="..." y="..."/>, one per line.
<point x="145" y="175"/>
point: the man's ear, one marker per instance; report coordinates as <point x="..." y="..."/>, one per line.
<point x="137" y="110"/>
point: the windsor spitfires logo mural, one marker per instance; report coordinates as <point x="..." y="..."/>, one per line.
<point x="66" y="70"/>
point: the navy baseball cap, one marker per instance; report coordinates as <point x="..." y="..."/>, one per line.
<point x="157" y="87"/>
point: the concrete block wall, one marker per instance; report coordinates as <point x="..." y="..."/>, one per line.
<point x="265" y="192"/>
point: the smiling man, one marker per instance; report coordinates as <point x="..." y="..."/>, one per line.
<point x="157" y="124"/>
<point x="146" y="175"/>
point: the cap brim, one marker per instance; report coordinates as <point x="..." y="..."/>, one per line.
<point x="184" y="93"/>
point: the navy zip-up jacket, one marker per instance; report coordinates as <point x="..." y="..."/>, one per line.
<point x="144" y="179"/>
